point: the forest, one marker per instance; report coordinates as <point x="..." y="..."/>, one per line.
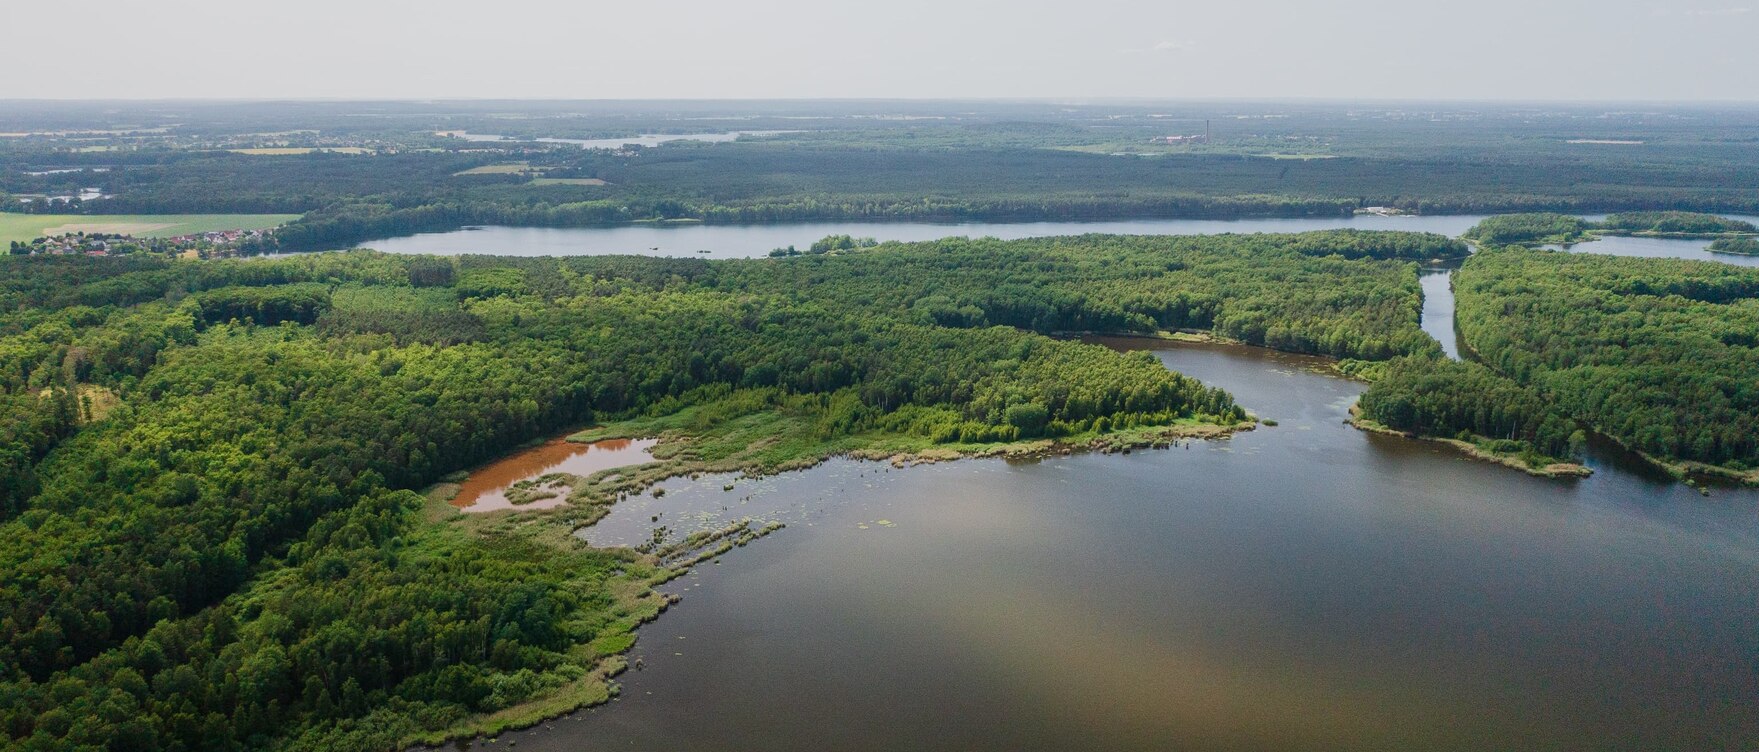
<point x="1465" y="401"/>
<point x="1742" y="246"/>
<point x="880" y="160"/>
<point x="212" y="536"/>
<point x="1657" y="353"/>
<point x="1548" y="228"/>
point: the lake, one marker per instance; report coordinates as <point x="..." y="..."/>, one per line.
<point x="646" y="139"/>
<point x="1303" y="586"/>
<point x="749" y="241"/>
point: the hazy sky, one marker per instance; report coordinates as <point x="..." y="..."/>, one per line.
<point x="1488" y="49"/>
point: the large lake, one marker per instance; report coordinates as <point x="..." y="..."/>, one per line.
<point x="646" y="139"/>
<point x="748" y="241"/>
<point x="1303" y="586"/>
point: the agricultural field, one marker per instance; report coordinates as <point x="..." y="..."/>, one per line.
<point x="568" y="181"/>
<point x="23" y="227"/>
<point x="510" y="168"/>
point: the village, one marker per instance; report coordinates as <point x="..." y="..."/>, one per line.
<point x="205" y="245"/>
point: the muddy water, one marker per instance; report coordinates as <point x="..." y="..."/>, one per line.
<point x="486" y="488"/>
<point x="1304" y="586"/>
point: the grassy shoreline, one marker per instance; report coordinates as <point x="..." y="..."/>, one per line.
<point x="687" y="449"/>
<point x="1554" y="469"/>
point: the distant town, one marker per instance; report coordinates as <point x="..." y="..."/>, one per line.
<point x="214" y="244"/>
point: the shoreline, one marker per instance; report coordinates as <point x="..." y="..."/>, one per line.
<point x="1555" y="470"/>
<point x="1687" y="471"/>
<point x="1680" y="470"/>
<point x="638" y="600"/>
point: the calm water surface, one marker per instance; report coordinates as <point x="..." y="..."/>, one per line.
<point x="1438" y="308"/>
<point x="747" y="241"/>
<point x="1304" y="586"/>
<point x="646" y="139"/>
<point x="1662" y="248"/>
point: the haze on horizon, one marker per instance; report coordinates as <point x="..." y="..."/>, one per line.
<point x="1659" y="50"/>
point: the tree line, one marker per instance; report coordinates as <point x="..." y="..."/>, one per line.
<point x="232" y="557"/>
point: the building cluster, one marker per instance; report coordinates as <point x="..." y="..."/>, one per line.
<point x="215" y="244"/>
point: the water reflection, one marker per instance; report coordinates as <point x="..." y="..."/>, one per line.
<point x="1438" y="308"/>
<point x="1296" y="587"/>
<point x="1614" y="245"/>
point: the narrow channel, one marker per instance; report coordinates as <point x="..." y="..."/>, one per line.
<point x="1438" y="308"/>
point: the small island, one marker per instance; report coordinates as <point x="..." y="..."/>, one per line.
<point x="1547" y="228"/>
<point x="1742" y="246"/>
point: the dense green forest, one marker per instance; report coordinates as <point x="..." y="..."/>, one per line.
<point x="870" y="160"/>
<point x="209" y="536"/>
<point x="1538" y="228"/>
<point x="1547" y="228"/>
<point x="1657" y="353"/>
<point x="1674" y="223"/>
<point x="1743" y="246"/>
<point x="1462" y="400"/>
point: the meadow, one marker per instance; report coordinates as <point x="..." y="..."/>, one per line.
<point x="24" y="227"/>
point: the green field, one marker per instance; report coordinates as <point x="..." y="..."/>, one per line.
<point x="22" y="227"/>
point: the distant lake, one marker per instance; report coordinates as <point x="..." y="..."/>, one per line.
<point x="748" y="241"/>
<point x="687" y="239"/>
<point x="648" y="139"/>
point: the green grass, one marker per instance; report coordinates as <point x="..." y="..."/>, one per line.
<point x="23" y="227"/>
<point x="509" y="168"/>
<point x="762" y="431"/>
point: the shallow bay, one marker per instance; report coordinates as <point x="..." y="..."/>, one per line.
<point x="1296" y="587"/>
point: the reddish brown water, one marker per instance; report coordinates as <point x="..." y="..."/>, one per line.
<point x="486" y="488"/>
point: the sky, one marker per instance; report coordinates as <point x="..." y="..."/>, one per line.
<point x="1659" y="50"/>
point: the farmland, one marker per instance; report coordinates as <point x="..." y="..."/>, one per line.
<point x="24" y="227"/>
